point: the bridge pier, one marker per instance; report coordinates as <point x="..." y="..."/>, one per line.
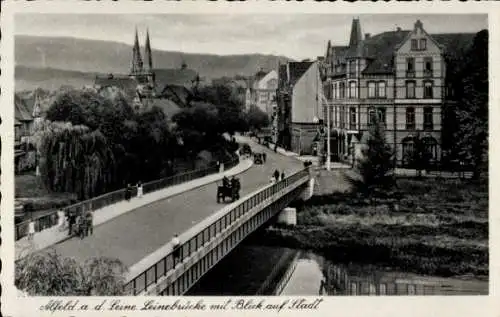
<point x="309" y="190"/>
<point x="288" y="216"/>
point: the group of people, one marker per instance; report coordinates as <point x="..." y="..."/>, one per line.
<point x="277" y="176"/>
<point x="128" y="191"/>
<point x="79" y="224"/>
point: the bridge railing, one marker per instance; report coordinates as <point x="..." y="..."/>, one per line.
<point x="160" y="269"/>
<point x="51" y="219"/>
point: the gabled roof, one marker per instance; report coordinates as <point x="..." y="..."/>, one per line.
<point x="125" y="83"/>
<point x="176" y="93"/>
<point x="21" y="110"/>
<point x="179" y="77"/>
<point x="297" y="69"/>
<point x="380" y="49"/>
<point x="169" y="107"/>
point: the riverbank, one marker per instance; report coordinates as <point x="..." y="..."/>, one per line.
<point x="426" y="226"/>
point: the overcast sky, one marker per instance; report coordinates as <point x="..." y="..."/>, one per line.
<point x="297" y="36"/>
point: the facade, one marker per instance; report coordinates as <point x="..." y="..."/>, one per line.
<point x="261" y="92"/>
<point x="397" y="77"/>
<point x="299" y="106"/>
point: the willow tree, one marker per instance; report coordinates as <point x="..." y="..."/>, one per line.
<point x="75" y="159"/>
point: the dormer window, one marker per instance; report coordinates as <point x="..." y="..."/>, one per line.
<point x="423" y="44"/>
<point x="414" y="45"/>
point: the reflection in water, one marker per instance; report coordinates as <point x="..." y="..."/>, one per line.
<point x="314" y="275"/>
<point x="258" y="270"/>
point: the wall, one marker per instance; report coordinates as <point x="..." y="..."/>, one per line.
<point x="306" y="103"/>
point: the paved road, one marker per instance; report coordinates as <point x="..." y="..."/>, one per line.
<point x="133" y="235"/>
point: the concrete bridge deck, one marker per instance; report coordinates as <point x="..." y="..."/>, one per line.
<point x="134" y="235"/>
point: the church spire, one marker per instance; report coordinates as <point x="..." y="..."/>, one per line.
<point x="136" y="56"/>
<point x="147" y="54"/>
<point x="37" y="106"/>
<point x="355" y="33"/>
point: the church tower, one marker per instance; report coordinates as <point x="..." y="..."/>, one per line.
<point x="148" y="71"/>
<point x="136" y="57"/>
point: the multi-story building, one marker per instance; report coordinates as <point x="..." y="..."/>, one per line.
<point x="261" y="92"/>
<point x="398" y="77"/>
<point x="299" y="106"/>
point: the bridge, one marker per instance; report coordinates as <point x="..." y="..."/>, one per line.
<point x="208" y="231"/>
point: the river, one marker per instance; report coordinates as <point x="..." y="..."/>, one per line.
<point x="259" y="270"/>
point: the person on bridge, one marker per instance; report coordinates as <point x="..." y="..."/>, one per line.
<point x="264" y="157"/>
<point x="282" y="175"/>
<point x="139" y="189"/>
<point x="31" y="229"/>
<point x="89" y="219"/>
<point x="276" y="175"/>
<point x="128" y="192"/>
<point x="175" y="247"/>
<point x="225" y="182"/>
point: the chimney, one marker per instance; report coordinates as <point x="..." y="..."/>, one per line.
<point x="367" y="36"/>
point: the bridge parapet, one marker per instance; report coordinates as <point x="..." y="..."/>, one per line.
<point x="209" y="241"/>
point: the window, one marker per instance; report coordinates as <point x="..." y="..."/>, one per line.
<point x="430" y="145"/>
<point x="342" y="90"/>
<point x="408" y="150"/>
<point x="410" y="89"/>
<point x="428" y="90"/>
<point x="423" y="44"/>
<point x="410" y="118"/>
<point x="412" y="290"/>
<point x="353" y="289"/>
<point x="381" y="89"/>
<point x="382" y="289"/>
<point x="371" y="89"/>
<point x="352" y="68"/>
<point x="381" y="114"/>
<point x="428" y="122"/>
<point x="414" y="45"/>
<point x="428" y="66"/>
<point x="352" y="118"/>
<point x="352" y="89"/>
<point x="371" y="116"/>
<point x="410" y="67"/>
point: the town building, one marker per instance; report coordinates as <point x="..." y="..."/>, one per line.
<point x="261" y="92"/>
<point x="398" y="77"/>
<point x="299" y="111"/>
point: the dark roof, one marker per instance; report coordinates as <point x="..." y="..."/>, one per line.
<point x="21" y="110"/>
<point x="177" y="93"/>
<point x="169" y="107"/>
<point x="259" y="75"/>
<point x="127" y="84"/>
<point x="297" y="69"/>
<point x="179" y="77"/>
<point x="380" y="48"/>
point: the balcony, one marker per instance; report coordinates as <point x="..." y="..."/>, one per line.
<point x="410" y="74"/>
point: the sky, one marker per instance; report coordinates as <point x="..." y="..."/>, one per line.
<point x="298" y="36"/>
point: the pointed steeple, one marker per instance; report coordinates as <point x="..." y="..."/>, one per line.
<point x="147" y="54"/>
<point x="355" y="33"/>
<point x="136" y="56"/>
<point x="37" y="106"/>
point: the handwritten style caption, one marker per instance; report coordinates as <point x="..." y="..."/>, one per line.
<point x="118" y="305"/>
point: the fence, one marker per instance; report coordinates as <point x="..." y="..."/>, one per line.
<point x="161" y="268"/>
<point x="51" y="219"/>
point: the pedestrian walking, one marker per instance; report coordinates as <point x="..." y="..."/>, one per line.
<point x="276" y="175"/>
<point x="139" y="189"/>
<point x="71" y="222"/>
<point x="282" y="175"/>
<point x="89" y="218"/>
<point x="61" y="219"/>
<point x="176" y="247"/>
<point x="81" y="225"/>
<point x="31" y="229"/>
<point x="264" y="157"/>
<point x="128" y="192"/>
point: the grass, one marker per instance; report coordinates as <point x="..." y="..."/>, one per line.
<point x="439" y="227"/>
<point x="29" y="189"/>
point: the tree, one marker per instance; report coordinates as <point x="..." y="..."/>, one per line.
<point x="472" y="108"/>
<point x="48" y="274"/>
<point x="376" y="164"/>
<point x="256" y="118"/>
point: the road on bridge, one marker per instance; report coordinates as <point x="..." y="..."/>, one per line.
<point x="135" y="234"/>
